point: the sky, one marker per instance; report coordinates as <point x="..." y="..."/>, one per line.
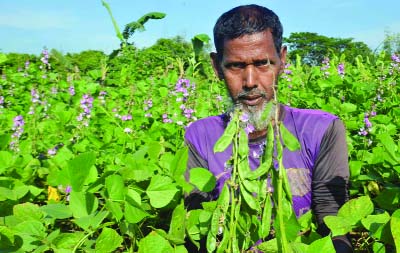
<point x="72" y="26"/>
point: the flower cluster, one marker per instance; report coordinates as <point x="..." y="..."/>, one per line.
<point x="102" y="97"/>
<point x="53" y="151"/>
<point x="1" y="102"/>
<point x="325" y="67"/>
<point x="286" y="74"/>
<point x="86" y="105"/>
<point x="147" y="105"/>
<point x="340" y="70"/>
<point x="183" y="87"/>
<point x="166" y="119"/>
<point x="394" y="65"/>
<point x="248" y="128"/>
<point x="67" y="190"/>
<point x="367" y="124"/>
<point x="45" y="58"/>
<point x="71" y="90"/>
<point x="18" y="128"/>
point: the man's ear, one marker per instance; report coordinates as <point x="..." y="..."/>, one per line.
<point x="283" y="57"/>
<point x="216" y="65"/>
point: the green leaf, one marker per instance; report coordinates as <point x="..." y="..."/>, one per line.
<point x="134" y="214"/>
<point x="93" y="221"/>
<point x="356" y="209"/>
<point x="154" y="242"/>
<point x="31" y="228"/>
<point x="202" y="178"/>
<point x="115" y="187"/>
<point x="68" y="240"/>
<point x="289" y="140"/>
<point x="270" y="246"/>
<point x="394" y="227"/>
<point x="79" y="169"/>
<point x="108" y="240"/>
<point x="347" y="108"/>
<point x="322" y="245"/>
<point x="116" y="28"/>
<point x="177" y="225"/>
<point x="390" y="147"/>
<point x="82" y="204"/>
<point x="27" y="211"/>
<point x="179" y="162"/>
<point x="375" y="223"/>
<point x="161" y="191"/>
<point x="6" y="161"/>
<point x="378" y="247"/>
<point x="338" y="225"/>
<point x="115" y="209"/>
<point x="57" y="211"/>
<point x="163" y="91"/>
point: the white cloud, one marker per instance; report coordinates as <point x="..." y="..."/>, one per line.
<point x="26" y="19"/>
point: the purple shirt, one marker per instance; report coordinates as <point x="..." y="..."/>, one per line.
<point x="308" y="126"/>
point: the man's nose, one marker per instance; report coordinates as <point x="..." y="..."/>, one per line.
<point x="250" y="77"/>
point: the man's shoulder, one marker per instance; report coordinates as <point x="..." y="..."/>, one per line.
<point x="212" y="125"/>
<point x="312" y="116"/>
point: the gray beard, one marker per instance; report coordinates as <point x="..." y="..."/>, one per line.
<point x="255" y="114"/>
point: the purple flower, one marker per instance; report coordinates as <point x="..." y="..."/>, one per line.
<point x="128" y="130"/>
<point x="362" y="132"/>
<point x="18" y="121"/>
<point x="35" y="96"/>
<point x="27" y="63"/>
<point x="368" y="123"/>
<point x="1" y="100"/>
<point x="52" y="151"/>
<point x="126" y="117"/>
<point x="340" y="69"/>
<point x="249" y="128"/>
<point x="244" y="117"/>
<point x="148" y="115"/>
<point x="395" y="58"/>
<point x="71" y="90"/>
<point x="219" y="98"/>
<point x="103" y="93"/>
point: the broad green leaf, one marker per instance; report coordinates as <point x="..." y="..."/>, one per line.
<point x="390" y="147"/>
<point x="375" y="223"/>
<point x="93" y="221"/>
<point x="338" y="225"/>
<point x="289" y="140"/>
<point x="163" y="91"/>
<point x="31" y="228"/>
<point x="108" y="240"/>
<point x="57" y="211"/>
<point x="177" y="225"/>
<point x="115" y="187"/>
<point x="356" y="209"/>
<point x="79" y="169"/>
<point x="6" y="161"/>
<point x="202" y="178"/>
<point x="28" y="211"/>
<point x="68" y="240"/>
<point x="322" y="245"/>
<point x="82" y="204"/>
<point x="347" y="108"/>
<point x="115" y="209"/>
<point x="179" y="162"/>
<point x="161" y="191"/>
<point x="134" y="214"/>
<point x="154" y="242"/>
<point x="378" y="247"/>
<point x="394" y="227"/>
<point x="270" y="246"/>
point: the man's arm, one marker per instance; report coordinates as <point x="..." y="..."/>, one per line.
<point x="330" y="180"/>
<point x="196" y="197"/>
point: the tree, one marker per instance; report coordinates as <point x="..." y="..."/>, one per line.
<point x="391" y="43"/>
<point x="87" y="60"/>
<point x="312" y="47"/>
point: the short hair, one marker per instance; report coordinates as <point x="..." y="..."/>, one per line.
<point x="246" y="20"/>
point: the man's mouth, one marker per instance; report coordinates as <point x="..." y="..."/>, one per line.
<point x="251" y="100"/>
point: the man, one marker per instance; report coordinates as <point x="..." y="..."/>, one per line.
<point x="249" y="57"/>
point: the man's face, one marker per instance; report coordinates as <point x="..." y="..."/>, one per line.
<point x="250" y="66"/>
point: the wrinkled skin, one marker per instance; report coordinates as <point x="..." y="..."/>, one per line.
<point x="250" y="66"/>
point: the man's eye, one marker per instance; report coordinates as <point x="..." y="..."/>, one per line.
<point x="263" y="63"/>
<point x="236" y="66"/>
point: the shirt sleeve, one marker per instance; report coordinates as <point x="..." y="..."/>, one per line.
<point x="330" y="180"/>
<point x="194" y="199"/>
